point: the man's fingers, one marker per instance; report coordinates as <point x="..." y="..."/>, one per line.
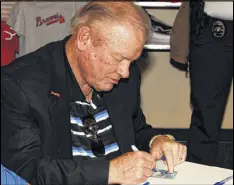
<point x="180" y="154"/>
<point x="147" y="172"/>
<point x="176" y="152"/>
<point x="170" y="159"/>
<point x="145" y="160"/>
<point x="149" y="165"/>
<point x="184" y="154"/>
<point x="170" y="164"/>
<point x="147" y="156"/>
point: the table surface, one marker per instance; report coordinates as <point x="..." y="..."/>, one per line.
<point x="191" y="173"/>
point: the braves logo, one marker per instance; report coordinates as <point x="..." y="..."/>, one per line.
<point x="49" y="20"/>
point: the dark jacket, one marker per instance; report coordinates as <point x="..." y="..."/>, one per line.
<point x="35" y="125"/>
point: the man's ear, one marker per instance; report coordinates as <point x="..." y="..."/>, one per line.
<point x="83" y="38"/>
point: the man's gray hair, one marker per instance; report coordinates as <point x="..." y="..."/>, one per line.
<point x="95" y="12"/>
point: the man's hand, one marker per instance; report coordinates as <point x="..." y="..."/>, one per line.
<point x="131" y="168"/>
<point x="174" y="152"/>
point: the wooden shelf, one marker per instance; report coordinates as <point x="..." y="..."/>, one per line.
<point x="163" y="47"/>
<point x="158" y="4"/>
<point x="153" y="4"/>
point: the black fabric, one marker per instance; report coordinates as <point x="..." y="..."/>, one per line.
<point x="196" y="17"/>
<point x="211" y="73"/>
<point x="74" y="90"/>
<point x="180" y="66"/>
<point x="36" y="140"/>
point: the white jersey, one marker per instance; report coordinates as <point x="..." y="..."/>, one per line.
<point x="38" y="23"/>
<point x="221" y="10"/>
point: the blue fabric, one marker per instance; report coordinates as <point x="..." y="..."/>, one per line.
<point x="10" y="178"/>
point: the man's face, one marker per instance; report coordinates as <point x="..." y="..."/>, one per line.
<point x="103" y="66"/>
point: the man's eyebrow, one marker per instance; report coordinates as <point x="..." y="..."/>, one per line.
<point x="127" y="58"/>
<point x="120" y="56"/>
<point x="132" y="58"/>
<point x="124" y="57"/>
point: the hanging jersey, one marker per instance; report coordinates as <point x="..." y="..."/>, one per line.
<point x="9" y="44"/>
<point x="39" y="23"/>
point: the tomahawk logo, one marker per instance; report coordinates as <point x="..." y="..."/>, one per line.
<point x="9" y="34"/>
<point x="49" y="20"/>
<point x="9" y="44"/>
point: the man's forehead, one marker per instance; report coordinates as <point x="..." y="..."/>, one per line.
<point x="124" y="34"/>
<point x="121" y="40"/>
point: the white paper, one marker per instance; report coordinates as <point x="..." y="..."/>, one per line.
<point x="194" y="174"/>
<point x="191" y="173"/>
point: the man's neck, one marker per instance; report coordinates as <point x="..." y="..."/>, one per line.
<point x="73" y="61"/>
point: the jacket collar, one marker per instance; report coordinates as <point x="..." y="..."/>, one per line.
<point x="59" y="107"/>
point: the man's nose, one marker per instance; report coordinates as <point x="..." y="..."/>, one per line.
<point x="123" y="69"/>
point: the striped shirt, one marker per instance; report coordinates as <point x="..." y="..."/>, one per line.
<point x="81" y="140"/>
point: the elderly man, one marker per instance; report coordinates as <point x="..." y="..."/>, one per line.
<point x="71" y="110"/>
